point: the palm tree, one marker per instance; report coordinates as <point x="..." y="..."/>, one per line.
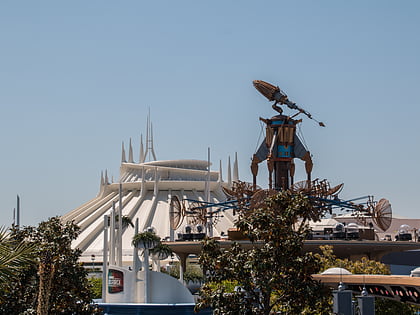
<point x="14" y="256"/>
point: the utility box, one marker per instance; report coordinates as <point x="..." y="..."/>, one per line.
<point x="366" y="305"/>
<point x="342" y="302"/>
<point x="367" y="234"/>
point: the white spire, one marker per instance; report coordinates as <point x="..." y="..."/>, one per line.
<point x="102" y="184"/>
<point x="235" y="168"/>
<point x="102" y="179"/>
<point x="149" y="140"/>
<point x="106" y="182"/>
<point x="123" y="159"/>
<point x="130" y="153"/>
<point x="147" y="137"/>
<point x="141" y="159"/>
<point x="220" y="172"/>
<point x="229" y="175"/>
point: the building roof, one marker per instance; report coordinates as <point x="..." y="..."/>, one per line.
<point x="144" y="191"/>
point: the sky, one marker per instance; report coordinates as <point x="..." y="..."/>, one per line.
<point x="77" y="78"/>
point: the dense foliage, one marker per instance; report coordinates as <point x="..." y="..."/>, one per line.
<point x="192" y="273"/>
<point x="57" y="283"/>
<point x="96" y="287"/>
<point x="14" y="257"/>
<point x="274" y="275"/>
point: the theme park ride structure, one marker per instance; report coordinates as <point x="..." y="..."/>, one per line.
<point x="279" y="148"/>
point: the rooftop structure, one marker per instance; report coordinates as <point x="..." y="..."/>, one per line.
<point x="144" y="192"/>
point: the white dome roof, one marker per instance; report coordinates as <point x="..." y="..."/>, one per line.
<point x="336" y="271"/>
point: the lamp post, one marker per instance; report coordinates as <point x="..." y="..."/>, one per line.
<point x="92" y="257"/>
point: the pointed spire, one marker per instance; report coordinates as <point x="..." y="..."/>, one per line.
<point x="147" y="136"/>
<point x="229" y="174"/>
<point x="235" y="168"/>
<point x="123" y="159"/>
<point x="149" y="140"/>
<point x="130" y="153"/>
<point x="102" y="179"/>
<point x="141" y="159"/>
<point x="106" y="182"/>
<point x="220" y="172"/>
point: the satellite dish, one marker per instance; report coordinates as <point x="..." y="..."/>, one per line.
<point x="196" y="213"/>
<point x="382" y="214"/>
<point x="335" y="190"/>
<point x="259" y="197"/>
<point x="176" y="212"/>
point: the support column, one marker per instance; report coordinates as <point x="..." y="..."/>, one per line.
<point x="105" y="259"/>
<point x="182" y="266"/>
<point x="146" y="275"/>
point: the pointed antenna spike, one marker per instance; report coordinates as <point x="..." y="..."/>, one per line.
<point x="147" y="137"/>
<point x="141" y="159"/>
<point x="130" y="153"/>
<point x="235" y="168"/>
<point x="123" y="159"/>
<point x="229" y="174"/>
<point x="220" y="172"/>
<point x="106" y="178"/>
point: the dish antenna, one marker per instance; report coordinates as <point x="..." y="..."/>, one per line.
<point x="176" y="212"/>
<point x="382" y="214"/>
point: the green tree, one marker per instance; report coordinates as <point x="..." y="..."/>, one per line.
<point x="192" y="273"/>
<point x="57" y="283"/>
<point x="14" y="257"/>
<point x="96" y="287"/>
<point x="274" y="275"/>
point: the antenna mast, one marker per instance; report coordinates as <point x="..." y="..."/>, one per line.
<point x="149" y="140"/>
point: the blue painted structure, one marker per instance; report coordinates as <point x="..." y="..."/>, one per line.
<point x="150" y="309"/>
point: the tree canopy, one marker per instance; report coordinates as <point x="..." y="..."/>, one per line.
<point x="14" y="257"/>
<point x="57" y="282"/>
<point x="273" y="276"/>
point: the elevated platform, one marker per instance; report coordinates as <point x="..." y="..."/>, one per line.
<point x="342" y="249"/>
<point x="400" y="288"/>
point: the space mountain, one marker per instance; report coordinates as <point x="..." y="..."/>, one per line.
<point x="144" y="192"/>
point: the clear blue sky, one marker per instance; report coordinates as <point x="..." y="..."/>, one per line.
<point x="77" y="79"/>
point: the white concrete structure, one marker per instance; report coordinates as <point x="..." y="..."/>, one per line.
<point x="144" y="192"/>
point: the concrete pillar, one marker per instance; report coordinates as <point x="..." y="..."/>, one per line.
<point x="182" y="266"/>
